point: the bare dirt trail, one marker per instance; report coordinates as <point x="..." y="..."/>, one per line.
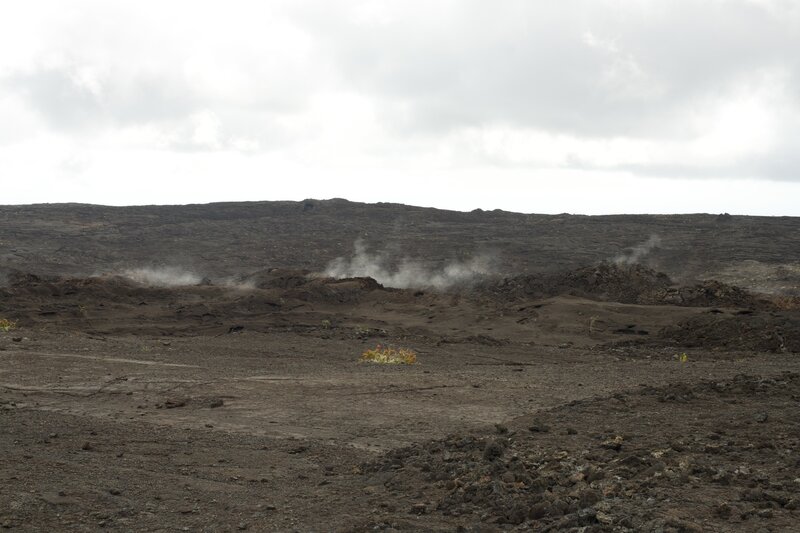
<point x="114" y="424"/>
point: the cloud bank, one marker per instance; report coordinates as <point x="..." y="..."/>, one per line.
<point x="153" y="102"/>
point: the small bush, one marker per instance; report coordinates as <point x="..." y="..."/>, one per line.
<point x="389" y="356"/>
<point x="6" y="324"/>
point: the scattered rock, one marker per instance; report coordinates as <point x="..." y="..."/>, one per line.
<point x="213" y="403"/>
<point x="493" y="450"/>
<point x="537" y="426"/>
<point x="419" y="509"/>
<point x="539" y="510"/>
<point x="604" y="518"/>
<point x="592" y="474"/>
<point x="723" y="510"/>
<point x="298" y="449"/>
<point x="613" y="443"/>
<point x="173" y="403"/>
<point x="58" y="498"/>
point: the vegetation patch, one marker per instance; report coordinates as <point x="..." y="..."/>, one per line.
<point x="7" y="325"/>
<point x="388" y="355"/>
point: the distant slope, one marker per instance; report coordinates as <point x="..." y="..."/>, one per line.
<point x="227" y="239"/>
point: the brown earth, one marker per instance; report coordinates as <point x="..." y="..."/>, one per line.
<point x="564" y="392"/>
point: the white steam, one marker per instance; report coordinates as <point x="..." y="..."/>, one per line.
<point x="408" y="273"/>
<point x="162" y="277"/>
<point x="636" y="253"/>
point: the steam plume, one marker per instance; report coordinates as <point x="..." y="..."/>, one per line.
<point x="638" y="252"/>
<point x="162" y="277"/>
<point x="408" y="273"/>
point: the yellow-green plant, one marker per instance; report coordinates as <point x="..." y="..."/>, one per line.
<point x="6" y="324"/>
<point x="389" y="356"/>
<point x="683" y="358"/>
<point x="361" y="332"/>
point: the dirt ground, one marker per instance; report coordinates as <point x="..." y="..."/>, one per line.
<point x="602" y="398"/>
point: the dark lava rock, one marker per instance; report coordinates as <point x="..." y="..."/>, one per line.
<point x="215" y="402"/>
<point x="538" y="427"/>
<point x="174" y="403"/>
<point x="493" y="450"/>
<point x="418" y="508"/>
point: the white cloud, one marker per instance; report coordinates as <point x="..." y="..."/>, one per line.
<point x="433" y="103"/>
<point x="205" y="129"/>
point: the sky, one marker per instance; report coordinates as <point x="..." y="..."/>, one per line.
<point x="576" y="106"/>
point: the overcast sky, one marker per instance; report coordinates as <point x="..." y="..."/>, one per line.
<point x="580" y="106"/>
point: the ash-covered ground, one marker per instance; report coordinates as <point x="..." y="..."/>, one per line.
<point x="197" y="368"/>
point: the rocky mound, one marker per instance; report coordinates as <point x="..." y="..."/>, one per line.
<point x="101" y="288"/>
<point x="111" y="303"/>
<point x="298" y="284"/>
<point x="276" y="278"/>
<point x="605" y="281"/>
<point x="32" y="300"/>
<point x="630" y="284"/>
<point x="758" y="331"/>
<point x="650" y="465"/>
<point x="331" y="290"/>
<point x="306" y="286"/>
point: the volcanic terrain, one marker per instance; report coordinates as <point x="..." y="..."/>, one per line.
<point x="198" y="368"/>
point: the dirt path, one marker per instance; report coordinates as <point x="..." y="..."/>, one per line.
<point x="249" y="431"/>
